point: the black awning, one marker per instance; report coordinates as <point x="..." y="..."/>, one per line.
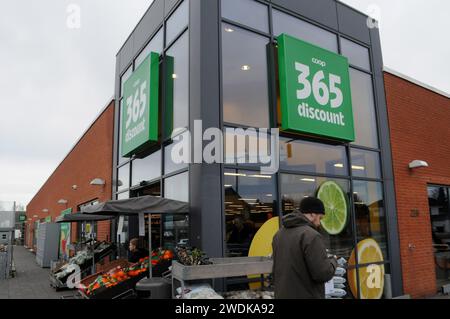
<point x="71" y="218"/>
<point x="134" y="206"/>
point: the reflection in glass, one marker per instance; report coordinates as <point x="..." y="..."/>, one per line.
<point x="249" y="203"/>
<point x="245" y="85"/>
<point x="124" y="78"/>
<point x="121" y="159"/>
<point x="238" y="10"/>
<point x="312" y="157"/>
<point x="285" y="23"/>
<point x="169" y="165"/>
<point x="124" y="195"/>
<point x="155" y="45"/>
<point x="146" y="169"/>
<point x="365" y="164"/>
<point x="177" y="22"/>
<point x="356" y="54"/>
<point x="247" y="147"/>
<point x="438" y="200"/>
<point x="178" y="55"/>
<point x="370" y="213"/>
<point x="363" y="109"/>
<point x="123" y="181"/>
<point x="177" y="187"/>
<point x="296" y="187"/>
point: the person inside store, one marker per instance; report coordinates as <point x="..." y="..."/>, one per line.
<point x="135" y="253"/>
<point x="301" y="265"/>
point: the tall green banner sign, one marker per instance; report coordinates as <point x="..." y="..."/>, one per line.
<point x="64" y="239"/>
<point x="140" y="116"/>
<point x="314" y="90"/>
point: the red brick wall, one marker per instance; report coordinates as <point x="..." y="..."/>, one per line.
<point x="419" y="122"/>
<point x="90" y="158"/>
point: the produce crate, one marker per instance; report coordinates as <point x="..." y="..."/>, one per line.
<point x="221" y="268"/>
<point x="123" y="289"/>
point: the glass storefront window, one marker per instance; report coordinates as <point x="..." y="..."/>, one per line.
<point x="121" y="158"/>
<point x="296" y="187"/>
<point x="177" y="187"/>
<point x="249" y="203"/>
<point x="285" y="23"/>
<point x="365" y="164"/>
<point x="245" y="84"/>
<point x="438" y="201"/>
<point x="123" y="180"/>
<point x="313" y="157"/>
<point x="125" y="77"/>
<point x="155" y="45"/>
<point x="177" y="22"/>
<point x="169" y="165"/>
<point x="124" y="195"/>
<point x="356" y="54"/>
<point x="179" y="54"/>
<point x="146" y="169"/>
<point x="363" y="109"/>
<point x="248" y="12"/>
<point x="246" y="147"/>
<point x="370" y="213"/>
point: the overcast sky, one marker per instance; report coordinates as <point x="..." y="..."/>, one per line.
<point x="55" y="79"/>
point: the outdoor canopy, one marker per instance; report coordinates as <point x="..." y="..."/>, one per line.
<point x="134" y="206"/>
<point x="71" y="218"/>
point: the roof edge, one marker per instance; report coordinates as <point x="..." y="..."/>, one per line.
<point x="415" y="81"/>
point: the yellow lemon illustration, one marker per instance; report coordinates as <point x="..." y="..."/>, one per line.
<point x="371" y="278"/>
<point x="261" y="245"/>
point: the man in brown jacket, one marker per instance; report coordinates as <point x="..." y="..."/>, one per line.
<point x="301" y="264"/>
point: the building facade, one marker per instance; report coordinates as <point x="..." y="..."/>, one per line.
<point x="69" y="188"/>
<point x="218" y="64"/>
<point x="419" y="118"/>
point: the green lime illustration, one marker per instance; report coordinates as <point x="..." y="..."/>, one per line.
<point x="334" y="200"/>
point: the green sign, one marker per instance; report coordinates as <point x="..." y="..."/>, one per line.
<point x="22" y="218"/>
<point x="48" y="219"/>
<point x="314" y="90"/>
<point x="140" y="107"/>
<point x="64" y="239"/>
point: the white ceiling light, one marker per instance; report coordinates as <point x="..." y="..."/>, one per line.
<point x="245" y="68"/>
<point x="98" y="181"/>
<point x="62" y="201"/>
<point x="417" y="164"/>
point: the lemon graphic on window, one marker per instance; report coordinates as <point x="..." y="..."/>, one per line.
<point x="371" y="277"/>
<point x="335" y="202"/>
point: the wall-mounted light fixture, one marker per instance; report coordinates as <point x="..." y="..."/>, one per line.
<point x="45" y="210"/>
<point x="417" y="164"/>
<point x="35" y="216"/>
<point x="98" y="182"/>
<point x="63" y="201"/>
<point x="74" y="187"/>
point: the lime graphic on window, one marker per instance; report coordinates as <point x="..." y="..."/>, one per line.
<point x="335" y="202"/>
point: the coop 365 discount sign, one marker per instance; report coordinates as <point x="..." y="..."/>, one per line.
<point x="314" y="90"/>
<point x="140" y="107"/>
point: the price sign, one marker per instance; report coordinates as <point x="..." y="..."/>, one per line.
<point x="314" y="90"/>
<point x="140" y="107"/>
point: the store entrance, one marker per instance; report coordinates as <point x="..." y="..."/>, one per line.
<point x="438" y="199"/>
<point x="167" y="230"/>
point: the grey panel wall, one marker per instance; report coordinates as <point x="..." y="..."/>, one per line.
<point x="388" y="174"/>
<point x="323" y="11"/>
<point x="205" y="180"/>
